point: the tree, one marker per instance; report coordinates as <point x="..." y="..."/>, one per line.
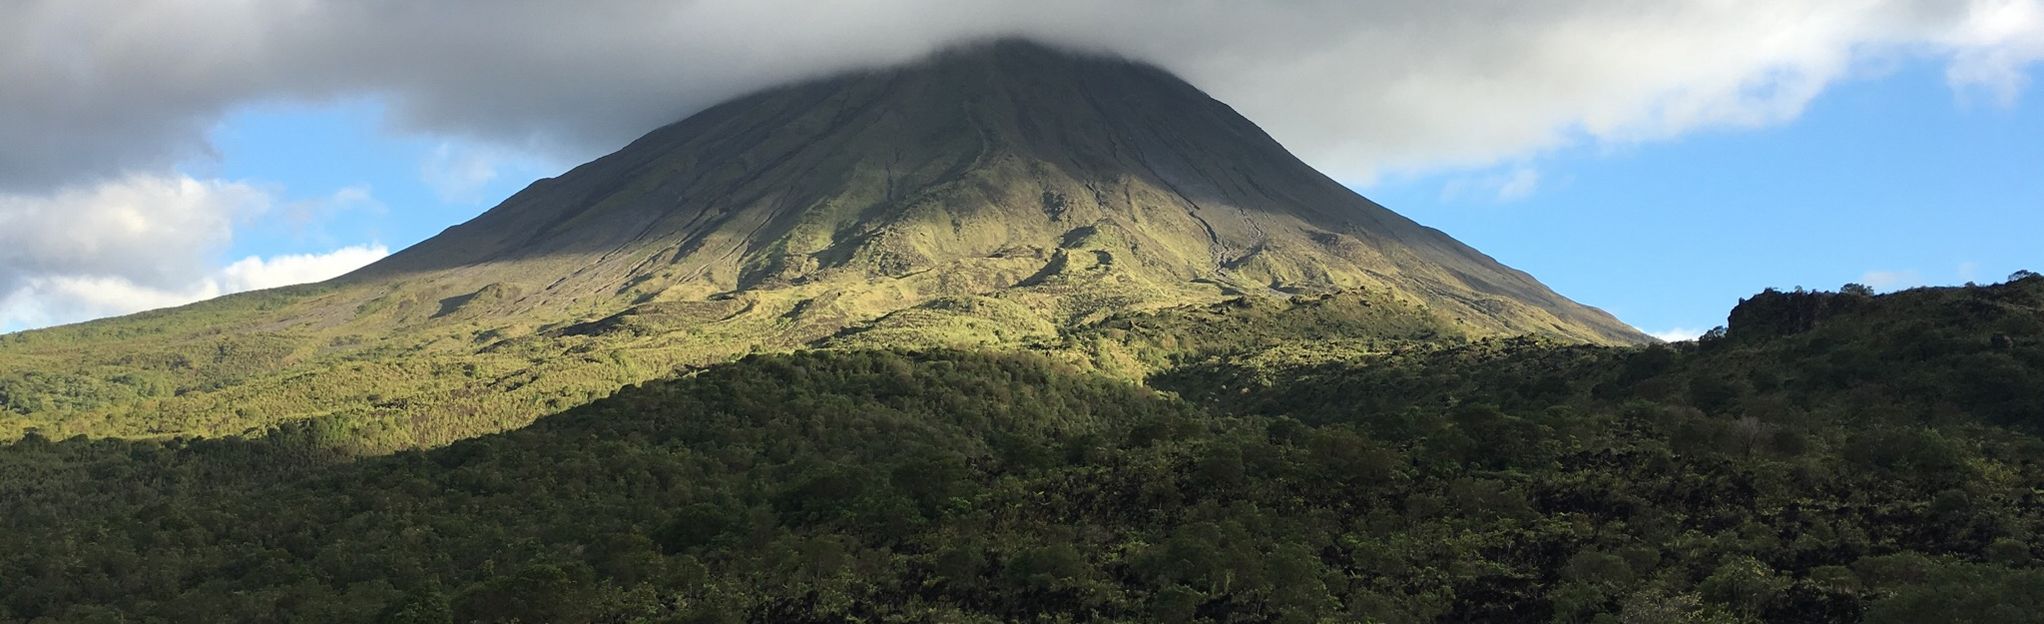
<point x="1745" y="584"/>
<point x="1715" y="335"/>
<point x="426" y="606"/>
<point x="537" y="593"/>
<point x="1858" y="289"/>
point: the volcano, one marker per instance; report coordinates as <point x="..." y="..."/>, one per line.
<point x="1072" y="185"/>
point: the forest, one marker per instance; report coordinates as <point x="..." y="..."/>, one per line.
<point x="1826" y="457"/>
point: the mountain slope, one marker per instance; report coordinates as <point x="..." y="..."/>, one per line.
<point x="1004" y="195"/>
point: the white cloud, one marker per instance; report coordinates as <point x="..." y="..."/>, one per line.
<point x="146" y="229"/>
<point x="1518" y="185"/>
<point x="459" y="170"/>
<point x="58" y="299"/>
<point x="1358" y="88"/>
<point x="42" y="301"/>
<point x="458" y="176"/>
<point x="1503" y="187"/>
<point x="1677" y="334"/>
<point x="141" y="242"/>
<point x="255" y="273"/>
<point x="1994" y="44"/>
<point x="1969" y="271"/>
<point x="1891" y="280"/>
<point x="306" y="215"/>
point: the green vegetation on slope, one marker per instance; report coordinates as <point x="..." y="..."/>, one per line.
<point x="203" y="371"/>
<point x="165" y="374"/>
<point x="1874" y="460"/>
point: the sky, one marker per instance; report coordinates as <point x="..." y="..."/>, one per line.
<point x="1658" y="160"/>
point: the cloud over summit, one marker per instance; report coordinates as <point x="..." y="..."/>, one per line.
<point x="99" y="87"/>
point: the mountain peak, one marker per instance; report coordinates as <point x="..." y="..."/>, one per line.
<point x="1011" y="49"/>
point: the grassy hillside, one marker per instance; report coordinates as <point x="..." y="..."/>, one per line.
<point x="1830" y="457"/>
<point x="168" y="374"/>
<point x="226" y="367"/>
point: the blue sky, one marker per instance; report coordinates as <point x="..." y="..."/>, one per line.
<point x="1659" y="160"/>
<point x="396" y="188"/>
<point x="1894" y="180"/>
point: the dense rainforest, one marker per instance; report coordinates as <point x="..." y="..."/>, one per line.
<point x="1827" y="457"/>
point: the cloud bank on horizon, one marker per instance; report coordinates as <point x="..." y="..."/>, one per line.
<point x="141" y="242"/>
<point x="107" y="98"/>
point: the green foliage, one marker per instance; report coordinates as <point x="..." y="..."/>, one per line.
<point x="1834" y="474"/>
<point x="222" y="368"/>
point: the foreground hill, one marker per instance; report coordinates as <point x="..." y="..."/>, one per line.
<point x="1005" y="195"/>
<point x="1830" y="457"/>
